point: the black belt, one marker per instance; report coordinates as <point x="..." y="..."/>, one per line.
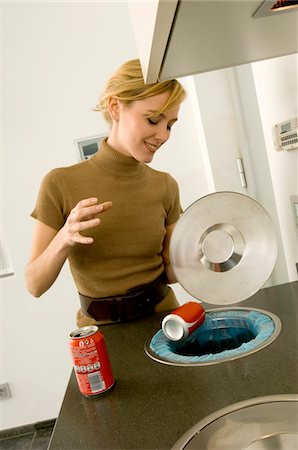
<point x="137" y="302"/>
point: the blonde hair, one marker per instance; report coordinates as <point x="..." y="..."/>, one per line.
<point x="127" y="85"/>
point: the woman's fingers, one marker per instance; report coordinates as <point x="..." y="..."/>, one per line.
<point x="83" y="217"/>
<point x="79" y="239"/>
<point x="76" y="227"/>
<point x="86" y="209"/>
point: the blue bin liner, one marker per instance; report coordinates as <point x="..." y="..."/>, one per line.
<point x="224" y="334"/>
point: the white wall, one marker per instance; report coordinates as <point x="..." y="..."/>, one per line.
<point x="276" y="88"/>
<point x="56" y="58"/>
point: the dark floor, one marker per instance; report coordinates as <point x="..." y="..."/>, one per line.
<point x="29" y="437"/>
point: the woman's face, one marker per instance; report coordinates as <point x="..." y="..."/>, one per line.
<point x="137" y="135"/>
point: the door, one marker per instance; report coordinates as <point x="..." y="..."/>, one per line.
<point x="234" y="142"/>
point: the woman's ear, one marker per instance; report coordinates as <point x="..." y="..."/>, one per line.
<point x="114" y="108"/>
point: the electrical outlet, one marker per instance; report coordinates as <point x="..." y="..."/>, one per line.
<point x="4" y="391"/>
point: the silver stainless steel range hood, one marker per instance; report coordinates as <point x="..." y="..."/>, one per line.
<point x="177" y="38"/>
<point x="274" y="7"/>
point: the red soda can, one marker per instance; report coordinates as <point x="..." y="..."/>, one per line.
<point x="91" y="361"/>
<point x="183" y="321"/>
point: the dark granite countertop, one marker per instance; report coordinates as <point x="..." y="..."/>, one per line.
<point x="152" y="404"/>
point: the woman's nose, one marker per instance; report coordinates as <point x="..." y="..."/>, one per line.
<point x="162" y="133"/>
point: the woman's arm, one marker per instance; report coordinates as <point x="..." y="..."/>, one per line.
<point x="171" y="277"/>
<point x="50" y="248"/>
<point x="47" y="257"/>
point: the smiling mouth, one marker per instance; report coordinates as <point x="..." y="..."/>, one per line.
<point x="152" y="147"/>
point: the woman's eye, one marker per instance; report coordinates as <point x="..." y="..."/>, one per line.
<point x="152" y="121"/>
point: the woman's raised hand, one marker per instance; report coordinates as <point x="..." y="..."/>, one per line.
<point x="50" y="247"/>
<point x="83" y="217"/>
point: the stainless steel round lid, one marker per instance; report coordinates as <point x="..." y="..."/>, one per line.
<point x="223" y="248"/>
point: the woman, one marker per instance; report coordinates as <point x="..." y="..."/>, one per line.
<point x="112" y="215"/>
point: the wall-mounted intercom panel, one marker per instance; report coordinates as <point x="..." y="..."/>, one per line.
<point x="285" y="135"/>
<point x="86" y="147"/>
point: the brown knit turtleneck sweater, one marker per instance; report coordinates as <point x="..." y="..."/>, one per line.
<point x="128" y="242"/>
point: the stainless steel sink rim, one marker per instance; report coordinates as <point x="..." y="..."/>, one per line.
<point x="275" y="334"/>
<point x="182" y="442"/>
<point x="275" y="439"/>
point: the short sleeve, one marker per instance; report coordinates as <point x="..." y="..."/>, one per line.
<point x="173" y="208"/>
<point x="49" y="204"/>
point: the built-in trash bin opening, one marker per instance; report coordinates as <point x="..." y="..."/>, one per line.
<point x="218" y="335"/>
<point x="226" y="334"/>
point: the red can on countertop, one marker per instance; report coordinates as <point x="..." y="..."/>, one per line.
<point x="91" y="361"/>
<point x="183" y="321"/>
